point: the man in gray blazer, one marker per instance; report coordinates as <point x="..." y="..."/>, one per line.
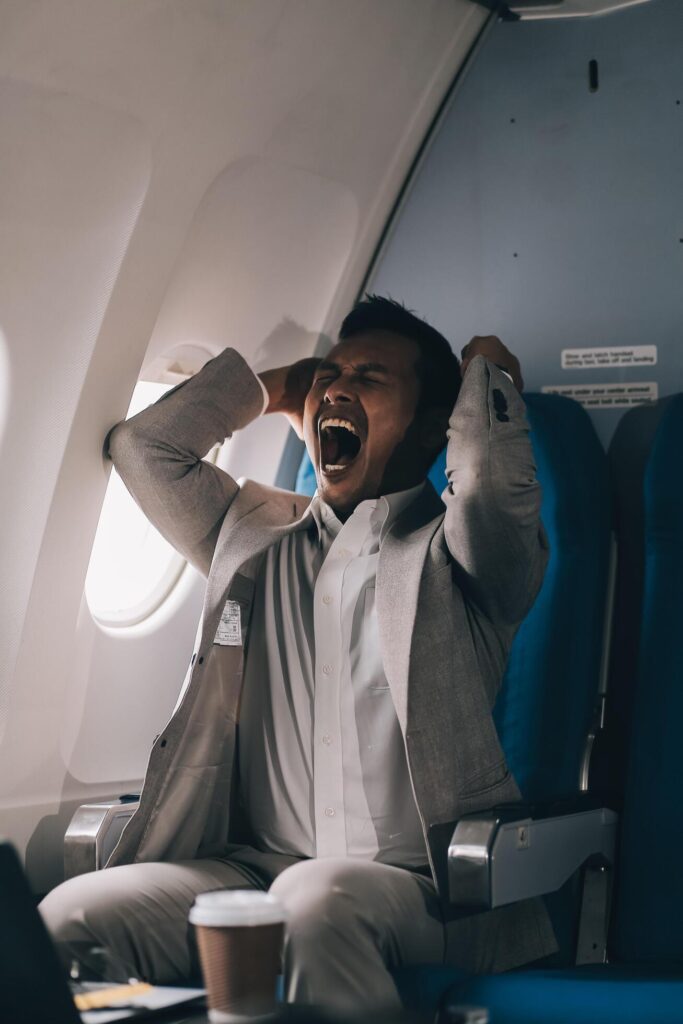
<point x="338" y="703"/>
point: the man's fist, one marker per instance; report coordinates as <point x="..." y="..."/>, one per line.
<point x="495" y="351"/>
<point x="287" y="387"/>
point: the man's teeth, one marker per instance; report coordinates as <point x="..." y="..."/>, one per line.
<point x="330" y="422"/>
<point x="329" y="468"/>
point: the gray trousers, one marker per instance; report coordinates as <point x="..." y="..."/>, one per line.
<point x="350" y="921"/>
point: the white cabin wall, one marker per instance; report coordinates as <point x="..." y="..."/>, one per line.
<point x="209" y="173"/>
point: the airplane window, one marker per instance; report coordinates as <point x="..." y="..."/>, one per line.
<point x="132" y="568"/>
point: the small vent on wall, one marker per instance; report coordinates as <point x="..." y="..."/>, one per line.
<point x="177" y="364"/>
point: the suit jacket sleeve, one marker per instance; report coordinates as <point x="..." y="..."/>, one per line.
<point x="159" y="453"/>
<point x="492" y="525"/>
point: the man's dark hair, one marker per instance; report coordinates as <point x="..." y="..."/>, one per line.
<point x="438" y="367"/>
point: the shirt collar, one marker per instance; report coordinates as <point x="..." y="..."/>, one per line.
<point x="380" y="513"/>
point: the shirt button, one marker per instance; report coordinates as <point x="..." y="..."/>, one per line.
<point x="327" y="669"/>
<point x="327" y="599"/>
<point x="329" y="812"/>
<point x="327" y="740"/>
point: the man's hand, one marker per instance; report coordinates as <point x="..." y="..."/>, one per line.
<point x="287" y="387"/>
<point x="495" y="351"/>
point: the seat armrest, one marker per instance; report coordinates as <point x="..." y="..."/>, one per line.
<point x="94" y="831"/>
<point x="516" y="851"/>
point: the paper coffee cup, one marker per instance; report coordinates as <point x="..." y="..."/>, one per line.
<point x="239" y="934"/>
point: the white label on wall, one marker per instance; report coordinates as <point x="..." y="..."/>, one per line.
<point x="591" y="358"/>
<point x="606" y="396"/>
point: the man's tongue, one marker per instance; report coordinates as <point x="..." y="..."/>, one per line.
<point x="344" y="459"/>
<point x="339" y="447"/>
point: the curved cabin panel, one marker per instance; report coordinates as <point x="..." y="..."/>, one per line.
<point x="124" y="125"/>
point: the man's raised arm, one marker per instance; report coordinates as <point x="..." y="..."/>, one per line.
<point x="159" y="453"/>
<point x="492" y="525"/>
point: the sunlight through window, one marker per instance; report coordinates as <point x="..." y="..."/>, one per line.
<point x="132" y="568"/>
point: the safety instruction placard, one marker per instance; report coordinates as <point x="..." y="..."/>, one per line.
<point x="609" y="356"/>
<point x="229" y="632"/>
<point x="606" y="396"/>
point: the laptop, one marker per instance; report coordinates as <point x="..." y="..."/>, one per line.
<point x="33" y="985"/>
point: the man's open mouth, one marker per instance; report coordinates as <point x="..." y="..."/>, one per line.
<point x="340" y="444"/>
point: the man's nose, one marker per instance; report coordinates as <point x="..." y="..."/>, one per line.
<point x="339" y="391"/>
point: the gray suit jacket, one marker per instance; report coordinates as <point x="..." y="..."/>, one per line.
<point x="453" y="583"/>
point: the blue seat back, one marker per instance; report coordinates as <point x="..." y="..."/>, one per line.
<point x="548" y="694"/>
<point x="649" y="900"/>
<point x="547" y="700"/>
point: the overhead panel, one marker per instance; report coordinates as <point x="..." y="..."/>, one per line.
<point x="537" y="9"/>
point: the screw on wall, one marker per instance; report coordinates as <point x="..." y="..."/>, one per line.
<point x="523" y="838"/>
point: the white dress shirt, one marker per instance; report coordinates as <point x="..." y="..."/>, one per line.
<point x="323" y="768"/>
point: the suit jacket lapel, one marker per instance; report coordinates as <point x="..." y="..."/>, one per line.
<point x="247" y="533"/>
<point x="399" y="571"/>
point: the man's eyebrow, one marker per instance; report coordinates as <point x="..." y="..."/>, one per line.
<point x="326" y="364"/>
<point x="372" y="368"/>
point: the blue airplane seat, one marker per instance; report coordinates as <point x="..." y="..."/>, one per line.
<point x="629" y="452"/>
<point x="649" y="910"/>
<point x="544" y="710"/>
<point x="644" y="979"/>
<point x="547" y="699"/>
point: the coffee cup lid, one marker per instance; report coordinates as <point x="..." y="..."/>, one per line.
<point x="236" y="907"/>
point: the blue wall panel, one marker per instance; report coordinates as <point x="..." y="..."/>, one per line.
<point x="550" y="214"/>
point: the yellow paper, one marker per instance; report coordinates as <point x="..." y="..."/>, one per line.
<point x="110" y="996"/>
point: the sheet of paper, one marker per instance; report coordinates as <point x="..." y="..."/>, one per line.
<point x="156" y="997"/>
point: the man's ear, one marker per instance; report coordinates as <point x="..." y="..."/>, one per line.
<point x="433" y="427"/>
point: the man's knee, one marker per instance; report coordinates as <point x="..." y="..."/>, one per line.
<point x="138" y="914"/>
<point x="87" y="920"/>
<point x="80" y="909"/>
<point x="318" y="896"/>
<point x="117" y="924"/>
<point x="335" y="951"/>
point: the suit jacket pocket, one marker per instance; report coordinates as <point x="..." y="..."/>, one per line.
<point x="503" y="790"/>
<point x="486" y="779"/>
